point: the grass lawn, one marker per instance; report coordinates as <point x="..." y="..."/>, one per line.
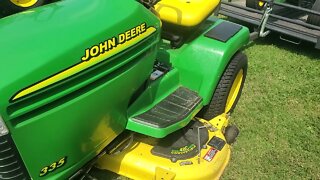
<point x="278" y="114"/>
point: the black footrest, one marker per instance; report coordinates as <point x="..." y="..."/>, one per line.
<point x="171" y="110"/>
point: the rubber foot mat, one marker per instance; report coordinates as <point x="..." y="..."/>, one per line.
<point x="171" y="110"/>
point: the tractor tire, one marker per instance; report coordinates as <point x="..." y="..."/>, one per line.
<point x="254" y="4"/>
<point x="228" y="90"/>
<point x="314" y="19"/>
<point x="8" y="7"/>
<point x="231" y="133"/>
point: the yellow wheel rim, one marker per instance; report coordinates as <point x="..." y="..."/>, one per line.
<point x="24" y="3"/>
<point x="261" y="3"/>
<point x="234" y="91"/>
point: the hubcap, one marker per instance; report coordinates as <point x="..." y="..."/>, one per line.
<point x="234" y="91"/>
<point x="24" y="3"/>
<point x="261" y="4"/>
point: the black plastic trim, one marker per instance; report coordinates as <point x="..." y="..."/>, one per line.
<point x="11" y="164"/>
<point x="217" y="143"/>
<point x="170" y="110"/>
<point x="223" y="31"/>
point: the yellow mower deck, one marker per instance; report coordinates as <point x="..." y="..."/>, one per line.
<point x="137" y="162"/>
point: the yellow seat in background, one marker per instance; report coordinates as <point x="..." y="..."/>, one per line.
<point x="187" y="13"/>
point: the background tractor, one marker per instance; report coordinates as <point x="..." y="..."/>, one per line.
<point x="294" y="20"/>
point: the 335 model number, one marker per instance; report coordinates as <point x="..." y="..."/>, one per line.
<point x="44" y="171"/>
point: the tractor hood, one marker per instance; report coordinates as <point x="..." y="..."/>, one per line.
<point x="46" y="45"/>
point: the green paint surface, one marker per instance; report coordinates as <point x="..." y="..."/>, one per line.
<point x="197" y="65"/>
<point x="80" y="115"/>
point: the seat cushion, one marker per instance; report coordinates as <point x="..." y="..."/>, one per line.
<point x="187" y="13"/>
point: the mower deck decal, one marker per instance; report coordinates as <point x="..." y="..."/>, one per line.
<point x="183" y="150"/>
<point x="93" y="56"/>
<point x="210" y="154"/>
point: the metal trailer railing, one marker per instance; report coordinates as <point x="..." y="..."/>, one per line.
<point x="268" y="19"/>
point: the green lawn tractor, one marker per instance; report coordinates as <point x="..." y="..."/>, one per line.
<point x="143" y="89"/>
<point x="258" y="4"/>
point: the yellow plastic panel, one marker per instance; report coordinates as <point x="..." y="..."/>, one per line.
<point x="138" y="163"/>
<point x="185" y="12"/>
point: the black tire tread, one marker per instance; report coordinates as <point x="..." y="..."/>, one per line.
<point x="253" y="4"/>
<point x="231" y="133"/>
<point x="218" y="101"/>
<point x="314" y="19"/>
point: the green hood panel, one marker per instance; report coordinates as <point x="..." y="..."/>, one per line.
<point x="68" y="105"/>
<point x="42" y="42"/>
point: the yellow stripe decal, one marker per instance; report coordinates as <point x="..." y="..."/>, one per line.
<point x="94" y="55"/>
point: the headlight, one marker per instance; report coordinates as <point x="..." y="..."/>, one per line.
<point x="3" y="128"/>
